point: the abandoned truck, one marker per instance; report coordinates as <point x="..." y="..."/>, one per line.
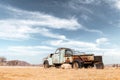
<point x="74" y="58"/>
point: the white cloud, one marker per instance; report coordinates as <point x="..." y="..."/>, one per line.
<point x="113" y="3"/>
<point x="93" y="30"/>
<point x="42" y="19"/>
<point x="84" y="1"/>
<point x="101" y="40"/>
<point x="111" y="52"/>
<point x="80" y="44"/>
<point x="77" y="45"/>
<point x="46" y="32"/>
<point x="28" y="50"/>
<point x="24" y="23"/>
<point x="13" y="31"/>
<point x="73" y="44"/>
<point x="18" y="29"/>
<point x="74" y="4"/>
<point x="117" y="4"/>
<point x="85" y="17"/>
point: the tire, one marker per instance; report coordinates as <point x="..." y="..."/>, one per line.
<point x="46" y="64"/>
<point x="99" y="65"/>
<point x="77" y="65"/>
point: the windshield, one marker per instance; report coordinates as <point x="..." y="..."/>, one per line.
<point x="68" y="52"/>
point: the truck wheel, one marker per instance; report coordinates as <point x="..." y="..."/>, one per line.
<point x="75" y="65"/>
<point x="99" y="65"/>
<point x="46" y="65"/>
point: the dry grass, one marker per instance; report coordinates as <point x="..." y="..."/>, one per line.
<point x="38" y="73"/>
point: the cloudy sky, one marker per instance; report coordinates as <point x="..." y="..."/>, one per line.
<point x="31" y="29"/>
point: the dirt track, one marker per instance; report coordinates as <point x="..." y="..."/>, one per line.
<point x="38" y="73"/>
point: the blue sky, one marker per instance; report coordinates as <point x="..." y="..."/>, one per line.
<point x="32" y="29"/>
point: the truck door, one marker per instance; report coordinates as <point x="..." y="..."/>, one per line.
<point x="62" y="55"/>
<point x="56" y="57"/>
<point x="68" y="56"/>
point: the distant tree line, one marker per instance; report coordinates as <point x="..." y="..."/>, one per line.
<point x="116" y="65"/>
<point x="4" y="62"/>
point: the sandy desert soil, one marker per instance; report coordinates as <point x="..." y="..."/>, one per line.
<point x="39" y="73"/>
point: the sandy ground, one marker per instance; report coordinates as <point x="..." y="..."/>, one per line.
<point x="39" y="73"/>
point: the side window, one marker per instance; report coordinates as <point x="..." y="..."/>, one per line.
<point x="68" y="52"/>
<point x="57" y="51"/>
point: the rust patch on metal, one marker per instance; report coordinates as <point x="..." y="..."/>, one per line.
<point x="67" y="60"/>
<point x="76" y="57"/>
